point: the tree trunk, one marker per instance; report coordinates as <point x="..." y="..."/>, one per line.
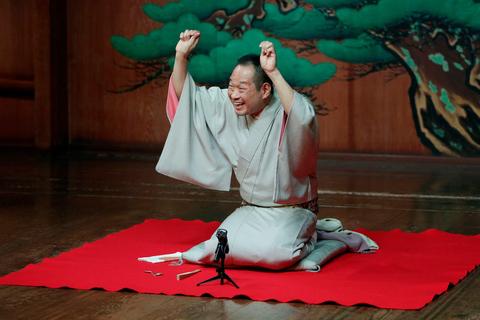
<point x="239" y="22"/>
<point x="445" y="91"/>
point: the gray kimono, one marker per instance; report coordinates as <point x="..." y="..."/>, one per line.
<point x="274" y="160"/>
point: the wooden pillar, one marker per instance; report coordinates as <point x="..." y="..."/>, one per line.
<point x="50" y="67"/>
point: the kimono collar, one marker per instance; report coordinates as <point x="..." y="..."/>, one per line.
<point x="270" y="110"/>
<point x="258" y="130"/>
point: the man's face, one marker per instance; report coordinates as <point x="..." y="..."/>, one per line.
<point x="245" y="97"/>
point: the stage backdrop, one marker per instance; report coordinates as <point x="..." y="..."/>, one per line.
<point x="16" y="72"/>
<point x="387" y="77"/>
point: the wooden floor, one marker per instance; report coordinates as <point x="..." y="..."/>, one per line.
<point x="50" y="204"/>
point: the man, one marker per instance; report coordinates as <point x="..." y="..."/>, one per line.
<point x="268" y="134"/>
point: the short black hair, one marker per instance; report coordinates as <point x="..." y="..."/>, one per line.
<point x="259" y="76"/>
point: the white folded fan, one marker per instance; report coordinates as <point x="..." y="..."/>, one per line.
<point x="162" y="258"/>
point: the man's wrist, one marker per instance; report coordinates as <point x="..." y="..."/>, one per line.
<point x="275" y="74"/>
<point x="181" y="56"/>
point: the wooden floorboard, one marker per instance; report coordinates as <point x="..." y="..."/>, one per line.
<point x="52" y="203"/>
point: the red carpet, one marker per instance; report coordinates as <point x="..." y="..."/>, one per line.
<point x="406" y="273"/>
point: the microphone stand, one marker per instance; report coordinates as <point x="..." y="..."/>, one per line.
<point x="222" y="249"/>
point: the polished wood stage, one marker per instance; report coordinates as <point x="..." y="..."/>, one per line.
<point x="54" y="202"/>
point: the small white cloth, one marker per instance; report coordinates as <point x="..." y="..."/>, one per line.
<point x="332" y="229"/>
<point x="329" y="225"/>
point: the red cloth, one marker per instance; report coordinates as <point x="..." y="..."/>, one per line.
<point x="406" y="273"/>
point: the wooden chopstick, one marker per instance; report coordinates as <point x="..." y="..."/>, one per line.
<point x="187" y="274"/>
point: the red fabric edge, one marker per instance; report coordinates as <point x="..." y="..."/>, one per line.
<point x="29" y="276"/>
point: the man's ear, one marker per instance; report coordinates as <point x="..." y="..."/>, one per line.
<point x="266" y="90"/>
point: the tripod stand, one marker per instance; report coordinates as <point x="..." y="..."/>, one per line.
<point x="222" y="249"/>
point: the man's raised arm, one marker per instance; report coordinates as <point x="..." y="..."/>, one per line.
<point x="268" y="61"/>
<point x="188" y="41"/>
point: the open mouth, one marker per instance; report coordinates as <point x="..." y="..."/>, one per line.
<point x="238" y="105"/>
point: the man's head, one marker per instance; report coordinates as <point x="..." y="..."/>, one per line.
<point x="249" y="88"/>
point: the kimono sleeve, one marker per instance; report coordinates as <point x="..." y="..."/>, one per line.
<point x="191" y="152"/>
<point x="296" y="180"/>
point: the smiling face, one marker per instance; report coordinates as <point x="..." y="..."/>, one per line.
<point x="245" y="97"/>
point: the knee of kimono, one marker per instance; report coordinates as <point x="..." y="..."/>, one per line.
<point x="299" y="237"/>
<point x="305" y="248"/>
<point x="283" y="252"/>
<point x="261" y="237"/>
<point x="274" y="239"/>
<point x="202" y="253"/>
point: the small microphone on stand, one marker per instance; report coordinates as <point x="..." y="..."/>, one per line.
<point x="222" y="249"/>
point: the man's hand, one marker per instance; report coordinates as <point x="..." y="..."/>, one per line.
<point x="268" y="61"/>
<point x="268" y="57"/>
<point x="188" y="41"/>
